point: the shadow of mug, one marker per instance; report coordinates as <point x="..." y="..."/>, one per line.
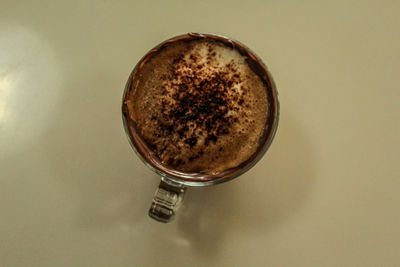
<point x="257" y="201"/>
<point x="114" y="188"/>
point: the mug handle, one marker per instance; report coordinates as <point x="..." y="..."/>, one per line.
<point x="167" y="200"/>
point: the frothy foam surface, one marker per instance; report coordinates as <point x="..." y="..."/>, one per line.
<point x="198" y="106"/>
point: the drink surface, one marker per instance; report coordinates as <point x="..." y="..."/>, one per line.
<point x="199" y="106"/>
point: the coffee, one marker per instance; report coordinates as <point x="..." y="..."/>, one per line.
<point x="199" y="104"/>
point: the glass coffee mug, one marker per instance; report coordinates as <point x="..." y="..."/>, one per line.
<point x="171" y="190"/>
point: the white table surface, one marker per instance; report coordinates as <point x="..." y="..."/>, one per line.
<point x="327" y="193"/>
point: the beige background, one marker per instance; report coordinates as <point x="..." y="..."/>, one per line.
<point x="72" y="192"/>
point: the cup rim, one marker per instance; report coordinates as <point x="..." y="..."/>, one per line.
<point x="188" y="179"/>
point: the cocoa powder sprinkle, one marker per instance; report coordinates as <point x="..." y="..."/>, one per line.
<point x="200" y="98"/>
